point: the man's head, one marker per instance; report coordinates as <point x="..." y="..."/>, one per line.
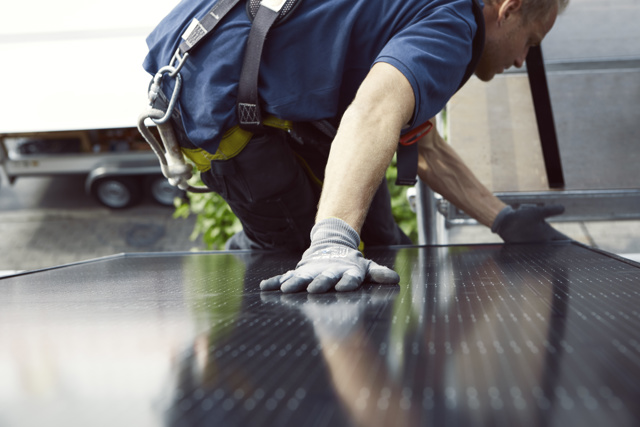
<point x="512" y="27"/>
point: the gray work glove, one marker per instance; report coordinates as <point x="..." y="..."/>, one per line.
<point x="527" y="224"/>
<point x="332" y="261"/>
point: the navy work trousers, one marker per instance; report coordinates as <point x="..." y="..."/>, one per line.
<point x="270" y="186"/>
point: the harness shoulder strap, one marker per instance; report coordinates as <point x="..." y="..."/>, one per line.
<point x="265" y="15"/>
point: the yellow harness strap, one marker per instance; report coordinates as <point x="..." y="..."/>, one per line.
<point x="233" y="142"/>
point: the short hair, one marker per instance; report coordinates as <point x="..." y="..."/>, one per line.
<point x="533" y="10"/>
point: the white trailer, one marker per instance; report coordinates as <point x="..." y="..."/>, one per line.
<point x="117" y="163"/>
<point x="73" y="87"/>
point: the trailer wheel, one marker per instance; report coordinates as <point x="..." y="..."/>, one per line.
<point x="161" y="191"/>
<point x="117" y="192"/>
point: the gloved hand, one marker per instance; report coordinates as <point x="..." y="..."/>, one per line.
<point x="332" y="261"/>
<point x="527" y="224"/>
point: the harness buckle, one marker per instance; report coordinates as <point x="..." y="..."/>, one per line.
<point x="180" y="60"/>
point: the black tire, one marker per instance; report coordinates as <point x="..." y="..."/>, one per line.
<point x="117" y="192"/>
<point x="161" y="191"/>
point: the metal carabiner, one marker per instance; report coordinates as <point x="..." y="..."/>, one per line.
<point x="168" y="150"/>
<point x="155" y="89"/>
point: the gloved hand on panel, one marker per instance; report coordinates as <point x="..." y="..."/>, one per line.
<point x="527" y="224"/>
<point x="332" y="261"/>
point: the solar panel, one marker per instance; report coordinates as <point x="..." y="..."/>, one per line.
<point x="485" y="335"/>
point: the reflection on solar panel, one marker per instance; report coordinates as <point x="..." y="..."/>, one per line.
<point x="474" y="335"/>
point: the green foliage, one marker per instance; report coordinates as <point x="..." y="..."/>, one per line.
<point x="216" y="223"/>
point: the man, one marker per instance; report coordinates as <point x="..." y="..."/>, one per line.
<point x="376" y="70"/>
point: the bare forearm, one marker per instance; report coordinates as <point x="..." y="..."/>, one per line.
<point x="445" y="172"/>
<point x="364" y="145"/>
<point x="359" y="156"/>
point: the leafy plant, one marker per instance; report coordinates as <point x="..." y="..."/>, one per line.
<point x="215" y="221"/>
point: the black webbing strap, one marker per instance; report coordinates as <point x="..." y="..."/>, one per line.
<point x="407" y="164"/>
<point x="248" y="104"/>
<point x="265" y="14"/>
<point x="407" y="155"/>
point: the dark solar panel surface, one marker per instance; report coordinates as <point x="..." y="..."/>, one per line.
<point x="474" y="336"/>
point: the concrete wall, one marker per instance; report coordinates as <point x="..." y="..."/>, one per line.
<point x="593" y="64"/>
<point x="595" y="30"/>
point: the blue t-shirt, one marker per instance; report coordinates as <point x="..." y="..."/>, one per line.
<point x="314" y="62"/>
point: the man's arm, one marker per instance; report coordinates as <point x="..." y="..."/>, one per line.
<point x="365" y="143"/>
<point x="444" y="171"/>
<point x="440" y="167"/>
<point x="360" y="153"/>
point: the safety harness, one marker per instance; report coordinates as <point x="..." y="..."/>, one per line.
<point x="265" y="14"/>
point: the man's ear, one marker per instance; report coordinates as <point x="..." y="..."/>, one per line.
<point x="508" y="9"/>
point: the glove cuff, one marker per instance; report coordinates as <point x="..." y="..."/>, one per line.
<point x="495" y="227"/>
<point x="334" y="231"/>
